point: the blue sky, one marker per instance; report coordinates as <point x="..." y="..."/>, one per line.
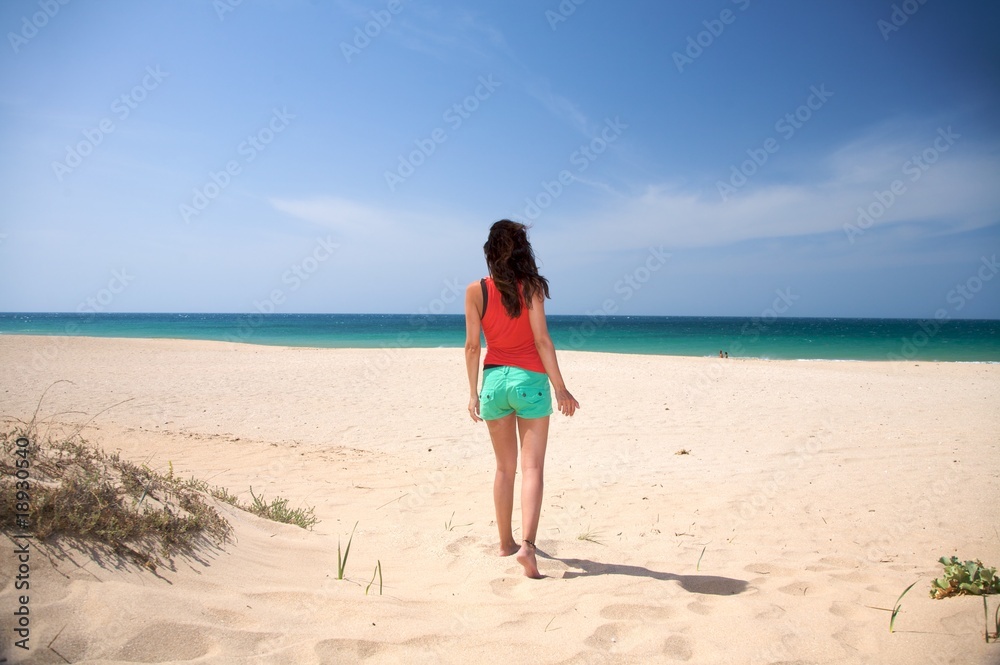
<point x="672" y="158"/>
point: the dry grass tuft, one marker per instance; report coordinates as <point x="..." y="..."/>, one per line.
<point x="76" y="490"/>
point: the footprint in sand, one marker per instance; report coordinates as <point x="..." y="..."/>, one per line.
<point x="624" y="612"/>
<point x="963" y="623"/>
<point x="840" y="562"/>
<point x="677" y="647"/>
<point x="795" y="589"/>
<point x="346" y="651"/>
<point x="846" y="610"/>
<point x="772" y="613"/>
<point x="700" y="607"/>
<point x="504" y="586"/>
<point x="857" y="577"/>
<point x="882" y="589"/>
<point x="768" y="569"/>
<point x="461" y="546"/>
<point x="609" y="636"/>
<point x="180" y="641"/>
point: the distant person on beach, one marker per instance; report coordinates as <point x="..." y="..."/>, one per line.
<point x="720" y="353"/>
<point x="515" y="399"/>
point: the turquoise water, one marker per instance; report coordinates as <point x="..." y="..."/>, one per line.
<point x="782" y="338"/>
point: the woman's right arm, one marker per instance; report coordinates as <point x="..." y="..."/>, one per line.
<point x="547" y="351"/>
<point x="473" y="347"/>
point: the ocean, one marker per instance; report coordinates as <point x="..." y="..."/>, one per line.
<point x="775" y="338"/>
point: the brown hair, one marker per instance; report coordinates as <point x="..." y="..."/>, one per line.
<point x="511" y="263"/>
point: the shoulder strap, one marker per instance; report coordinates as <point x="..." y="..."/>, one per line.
<point x="486" y="295"/>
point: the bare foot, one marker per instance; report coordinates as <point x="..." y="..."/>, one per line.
<point x="507" y="550"/>
<point x="526" y="557"/>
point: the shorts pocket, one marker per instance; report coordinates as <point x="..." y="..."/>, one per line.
<point x="531" y="395"/>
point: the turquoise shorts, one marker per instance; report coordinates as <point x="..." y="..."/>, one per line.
<point x="508" y="390"/>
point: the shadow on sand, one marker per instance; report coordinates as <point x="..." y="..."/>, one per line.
<point x="704" y="584"/>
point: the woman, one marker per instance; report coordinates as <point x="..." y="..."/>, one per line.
<point x="515" y="401"/>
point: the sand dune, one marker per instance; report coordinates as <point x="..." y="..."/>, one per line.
<point x="812" y="494"/>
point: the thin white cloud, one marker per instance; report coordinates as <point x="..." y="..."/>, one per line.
<point x="361" y="223"/>
<point x="558" y="105"/>
<point x="957" y="193"/>
<point x="332" y="212"/>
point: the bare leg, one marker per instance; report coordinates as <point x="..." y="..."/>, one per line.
<point x="503" y="433"/>
<point x="534" y="437"/>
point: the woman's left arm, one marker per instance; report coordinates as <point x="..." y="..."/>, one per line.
<point x="547" y="353"/>
<point x="473" y="347"/>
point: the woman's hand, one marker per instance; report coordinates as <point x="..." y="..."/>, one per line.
<point x="567" y="403"/>
<point x="474" y="408"/>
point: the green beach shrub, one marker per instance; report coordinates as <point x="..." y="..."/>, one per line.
<point x="964" y="578"/>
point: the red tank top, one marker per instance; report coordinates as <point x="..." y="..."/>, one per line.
<point x="508" y="341"/>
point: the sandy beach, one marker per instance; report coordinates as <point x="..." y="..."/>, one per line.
<point x="809" y="495"/>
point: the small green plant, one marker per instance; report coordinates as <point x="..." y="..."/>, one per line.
<point x="342" y="560"/>
<point x="969" y="578"/>
<point x="590" y="536"/>
<point x="378" y="571"/>
<point x="448" y="526"/>
<point x="222" y="494"/>
<point x="964" y="578"/>
<point x="279" y="511"/>
<point x="898" y="606"/>
<point x="996" y="621"/>
<point x="698" y="566"/>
